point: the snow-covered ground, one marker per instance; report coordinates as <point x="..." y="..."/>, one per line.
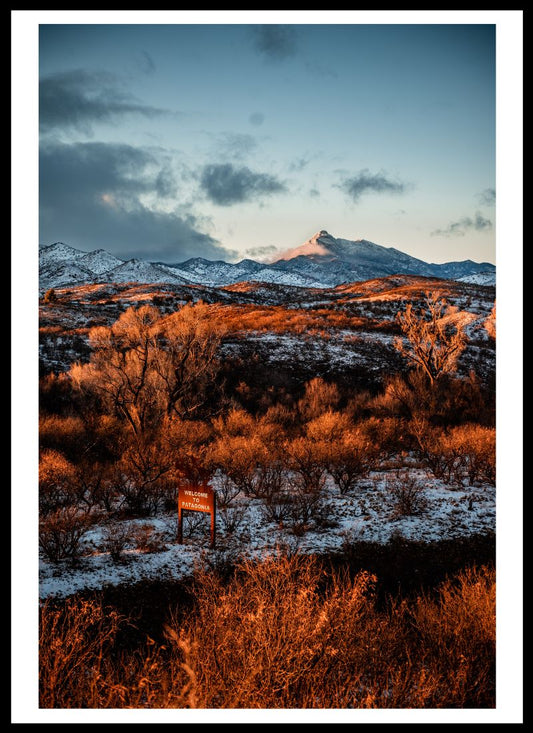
<point x="367" y="514"/>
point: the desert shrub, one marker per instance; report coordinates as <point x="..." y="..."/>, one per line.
<point x="450" y="400"/>
<point x="353" y="456"/>
<point x="475" y="449"/>
<point x="307" y="460"/>
<point x="50" y="296"/>
<point x="433" y="338"/>
<point x="286" y="632"/>
<point x="73" y="645"/>
<point x="270" y="476"/>
<point x="57" y="482"/>
<point x="147" y="538"/>
<point x="385" y="436"/>
<point x="95" y="485"/>
<point x="329" y="426"/>
<point x="144" y="475"/>
<point x="467" y="452"/>
<point x="277" y="506"/>
<point x="248" y="463"/>
<point x="195" y="524"/>
<point x="407" y="493"/>
<point x="115" y="539"/>
<point x="309" y="510"/>
<point x="232" y="518"/>
<point x="226" y="491"/>
<point x="55" y="394"/>
<point x="457" y="638"/>
<point x="320" y="396"/>
<point x="186" y="444"/>
<point x="288" y="636"/>
<point x="235" y="422"/>
<point x="281" y="416"/>
<point x="145" y="366"/>
<point x="62" y="433"/>
<point x="237" y="458"/>
<point x="61" y="534"/>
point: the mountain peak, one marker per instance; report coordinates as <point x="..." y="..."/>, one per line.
<point x="322" y="261"/>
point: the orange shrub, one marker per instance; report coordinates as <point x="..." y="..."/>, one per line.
<point x="57" y="481"/>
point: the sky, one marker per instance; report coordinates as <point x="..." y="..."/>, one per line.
<point x="233" y="140"/>
<point x="428" y="155"/>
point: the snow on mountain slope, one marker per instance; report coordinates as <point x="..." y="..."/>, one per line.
<point x="479" y="278"/>
<point x="322" y="261"/>
<point x="207" y="272"/>
<point x="139" y="271"/>
<point x="353" y="259"/>
<point x="99" y="261"/>
<point x="63" y="273"/>
<point x="336" y="261"/>
<point x="58" y="252"/>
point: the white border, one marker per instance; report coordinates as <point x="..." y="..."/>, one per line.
<point x="24" y="333"/>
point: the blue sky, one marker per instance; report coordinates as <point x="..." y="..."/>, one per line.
<point x="229" y="141"/>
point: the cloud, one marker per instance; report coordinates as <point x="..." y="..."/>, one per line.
<point x="299" y="164"/>
<point x="314" y="192"/>
<point x="459" y="228"/>
<point x="235" y="145"/>
<point x="275" y="42"/>
<point x="78" y="99"/>
<point x="367" y="182"/>
<point x="94" y="195"/>
<point x="256" y="119"/>
<point x="260" y="252"/>
<point x="226" y="185"/>
<point x="145" y="62"/>
<point x="487" y="197"/>
<point x="165" y="183"/>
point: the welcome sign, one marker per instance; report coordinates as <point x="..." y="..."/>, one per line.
<point x="196" y="499"/>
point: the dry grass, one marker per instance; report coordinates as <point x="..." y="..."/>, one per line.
<point x="282" y="633"/>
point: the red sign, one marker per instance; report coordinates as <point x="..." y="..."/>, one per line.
<point x="197" y="499"/>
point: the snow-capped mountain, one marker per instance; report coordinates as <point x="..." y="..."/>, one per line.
<point x="336" y="261"/>
<point x="479" y="278"/>
<point x="322" y="261"/>
<point x="99" y="261"/>
<point x="139" y="271"/>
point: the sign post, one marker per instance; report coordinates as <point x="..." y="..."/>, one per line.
<point x="197" y="499"/>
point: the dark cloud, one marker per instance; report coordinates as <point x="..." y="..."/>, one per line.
<point x="299" y="164"/>
<point x="275" y="42"/>
<point x="487" y="197"/>
<point x="367" y="182"/>
<point x="91" y="196"/>
<point x="459" y="228"/>
<point x="146" y="62"/>
<point x="165" y="183"/>
<point x="256" y="119"/>
<point x="314" y="192"/>
<point x="235" y="145"/>
<point x="226" y="185"/>
<point x="260" y="252"/>
<point x="78" y="99"/>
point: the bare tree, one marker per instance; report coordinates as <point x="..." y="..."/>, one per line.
<point x="432" y="342"/>
<point x="121" y="370"/>
<point x="187" y="363"/>
<point x="146" y="366"/>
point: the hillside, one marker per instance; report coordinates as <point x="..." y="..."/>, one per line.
<point x="323" y="261"/>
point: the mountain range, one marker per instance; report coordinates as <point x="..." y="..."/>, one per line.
<point x="323" y="261"/>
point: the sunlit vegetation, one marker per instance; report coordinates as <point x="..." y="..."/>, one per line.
<point x="282" y="633"/>
<point x="154" y="403"/>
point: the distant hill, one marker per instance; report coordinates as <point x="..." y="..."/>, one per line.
<point x="323" y="261"/>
